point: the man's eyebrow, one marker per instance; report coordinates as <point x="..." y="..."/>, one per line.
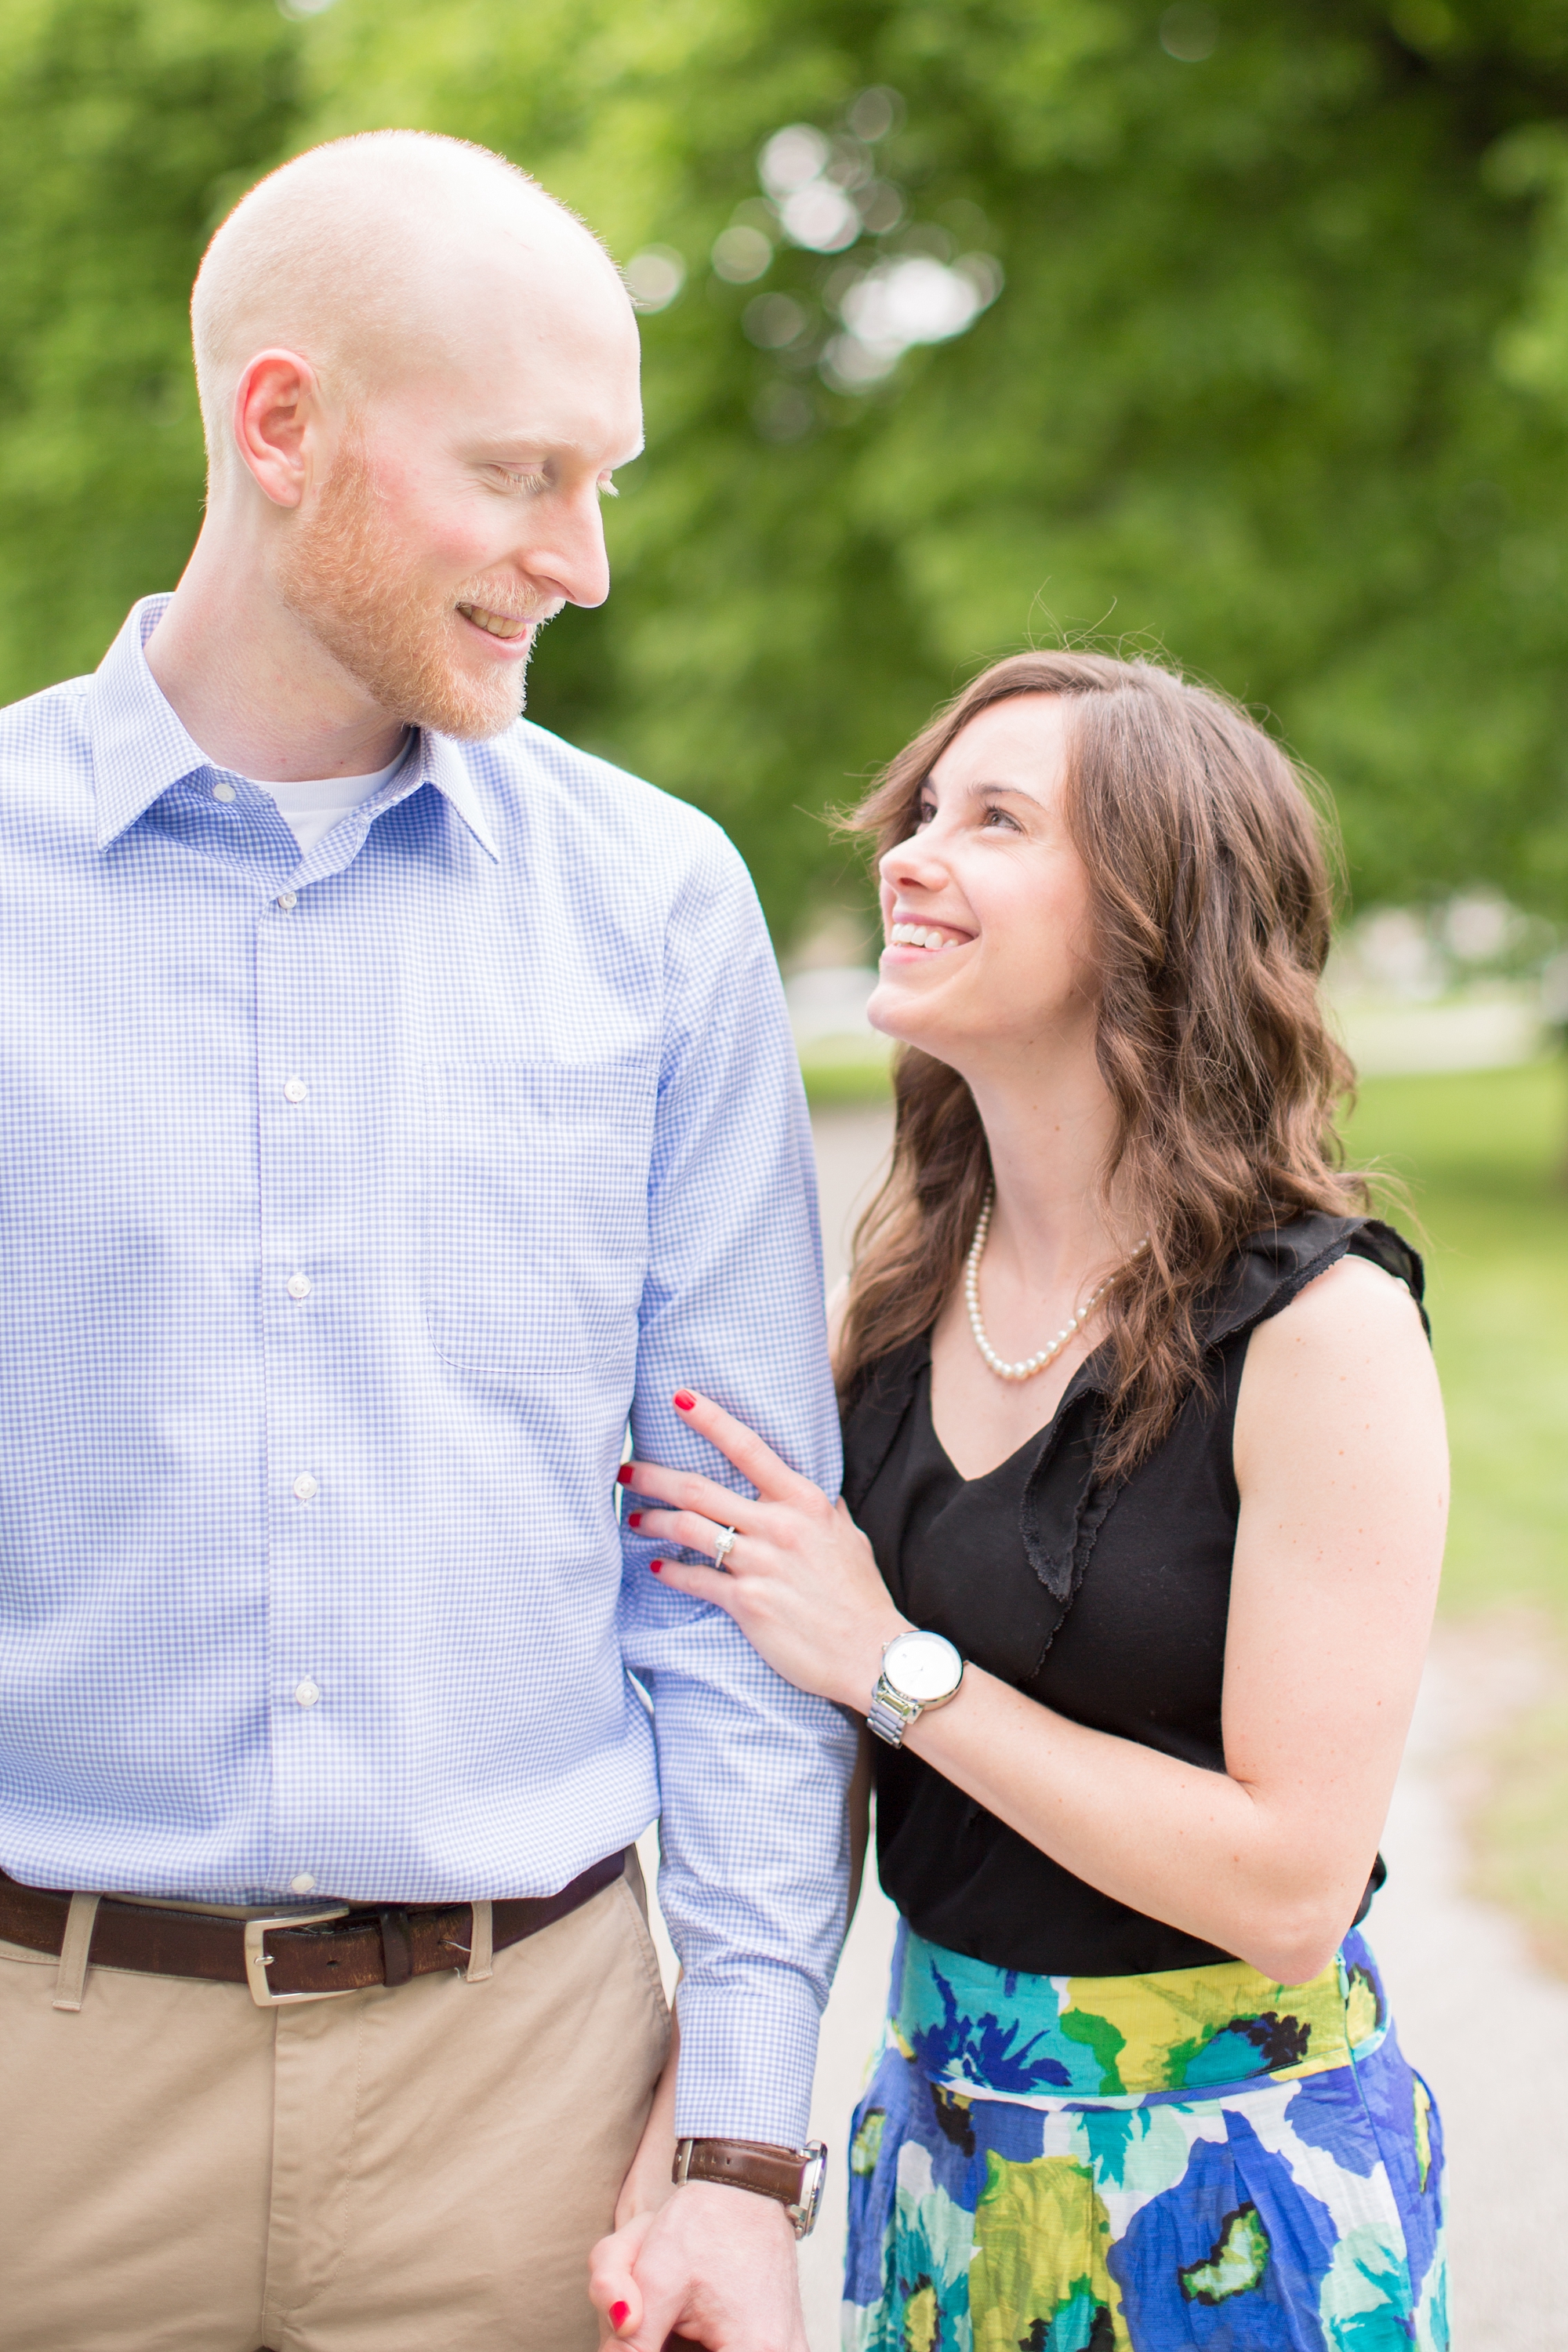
<point x="516" y="448"/>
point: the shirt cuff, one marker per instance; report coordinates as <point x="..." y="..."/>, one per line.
<point x="748" y="2056"/>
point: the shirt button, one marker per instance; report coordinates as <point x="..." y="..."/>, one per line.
<point x="222" y="792"/>
<point x="307" y="1693"/>
<point x="288" y="900"/>
<point x="299" y="1285"/>
<point x="303" y="1885"/>
<point x="295" y="1090"/>
<point x="305" y="1486"/>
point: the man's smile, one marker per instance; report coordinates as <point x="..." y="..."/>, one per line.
<point x="495" y="625"/>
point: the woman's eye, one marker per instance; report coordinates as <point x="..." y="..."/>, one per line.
<point x="924" y="814"/>
<point x="996" y="817"/>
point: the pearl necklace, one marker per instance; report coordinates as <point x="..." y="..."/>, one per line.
<point x="1035" y="1363"/>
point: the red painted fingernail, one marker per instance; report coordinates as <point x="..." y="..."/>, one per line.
<point x="625" y="1474"/>
<point x="684" y="1401"/>
<point x="619" y="2314"/>
<point x="654" y="1566"/>
<point x="634" y="1518"/>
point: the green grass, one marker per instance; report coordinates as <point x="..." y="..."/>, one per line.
<point x="846" y="1071"/>
<point x="846" y="1082"/>
<point x="1482" y="1154"/>
<point x="1519" y="1830"/>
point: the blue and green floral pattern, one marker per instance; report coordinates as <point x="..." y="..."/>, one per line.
<point x="1200" y="2161"/>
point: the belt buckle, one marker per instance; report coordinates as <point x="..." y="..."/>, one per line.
<point x="258" y="1959"/>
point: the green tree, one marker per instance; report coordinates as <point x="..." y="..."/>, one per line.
<point x="1275" y="381"/>
<point x="1277" y="378"/>
<point x="127" y="127"/>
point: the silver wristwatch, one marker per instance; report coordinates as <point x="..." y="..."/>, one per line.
<point x="919" y="1671"/>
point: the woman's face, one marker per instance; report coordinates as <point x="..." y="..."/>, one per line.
<point x="985" y="908"/>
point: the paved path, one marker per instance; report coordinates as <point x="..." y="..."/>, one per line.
<point x="1486" y="2025"/>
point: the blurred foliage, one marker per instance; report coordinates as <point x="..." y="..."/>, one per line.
<point x="127" y="129"/>
<point x="1278" y="378"/>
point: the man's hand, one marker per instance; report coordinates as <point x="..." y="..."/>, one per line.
<point x="713" y="2263"/>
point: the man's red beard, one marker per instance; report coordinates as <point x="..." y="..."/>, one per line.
<point x="340" y="571"/>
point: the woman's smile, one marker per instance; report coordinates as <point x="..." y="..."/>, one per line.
<point x="909" y="943"/>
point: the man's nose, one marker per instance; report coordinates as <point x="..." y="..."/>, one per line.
<point x="570" y="555"/>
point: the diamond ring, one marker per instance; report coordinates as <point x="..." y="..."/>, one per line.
<point x="723" y="1548"/>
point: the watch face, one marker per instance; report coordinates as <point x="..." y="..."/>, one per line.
<point x="923" y="1667"/>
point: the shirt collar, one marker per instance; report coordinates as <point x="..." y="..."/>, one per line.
<point x="140" y="749"/>
<point x="441" y="763"/>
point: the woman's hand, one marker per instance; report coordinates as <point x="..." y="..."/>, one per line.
<point x="799" y="1580"/>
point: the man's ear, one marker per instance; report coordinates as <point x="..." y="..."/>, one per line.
<point x="275" y="402"/>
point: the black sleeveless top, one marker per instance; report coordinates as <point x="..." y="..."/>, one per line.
<point x="1107" y="1603"/>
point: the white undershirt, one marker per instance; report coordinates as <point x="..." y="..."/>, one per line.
<point x="310" y="809"/>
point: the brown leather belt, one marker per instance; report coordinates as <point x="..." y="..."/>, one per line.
<point x="368" y="1944"/>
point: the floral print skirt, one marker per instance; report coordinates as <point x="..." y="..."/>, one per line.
<point x="1200" y="2159"/>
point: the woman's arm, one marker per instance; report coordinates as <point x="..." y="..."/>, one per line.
<point x="1342" y="1471"/>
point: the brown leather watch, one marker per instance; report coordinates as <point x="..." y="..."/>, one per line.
<point x="792" y="2175"/>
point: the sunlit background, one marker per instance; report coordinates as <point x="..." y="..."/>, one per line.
<point x="1237" y="332"/>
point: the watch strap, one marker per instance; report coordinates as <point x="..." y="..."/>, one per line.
<point x="792" y="2176"/>
<point x="892" y="1713"/>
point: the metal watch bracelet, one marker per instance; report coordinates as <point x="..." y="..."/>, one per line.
<point x="793" y="2176"/>
<point x="890" y="1715"/>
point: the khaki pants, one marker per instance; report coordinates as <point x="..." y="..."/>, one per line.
<point x="415" y="2170"/>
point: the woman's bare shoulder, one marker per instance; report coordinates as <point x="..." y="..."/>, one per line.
<point x="1352" y="1303"/>
<point x="1345" y="1367"/>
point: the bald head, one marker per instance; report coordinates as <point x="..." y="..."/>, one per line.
<point x="378" y="257"/>
<point x="418" y="376"/>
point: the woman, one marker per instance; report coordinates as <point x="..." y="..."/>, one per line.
<point x="1140" y="2087"/>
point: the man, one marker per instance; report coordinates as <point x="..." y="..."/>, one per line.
<point x="394" y="1100"/>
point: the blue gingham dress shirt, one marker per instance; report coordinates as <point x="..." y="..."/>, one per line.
<point x="351" y="1205"/>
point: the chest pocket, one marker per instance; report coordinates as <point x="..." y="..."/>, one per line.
<point x="535" y="1211"/>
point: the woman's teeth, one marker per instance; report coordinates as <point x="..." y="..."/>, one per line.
<point x="920" y="935"/>
<point x="498" y="624"/>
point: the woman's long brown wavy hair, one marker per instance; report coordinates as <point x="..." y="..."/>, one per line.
<point x="1212" y="898"/>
